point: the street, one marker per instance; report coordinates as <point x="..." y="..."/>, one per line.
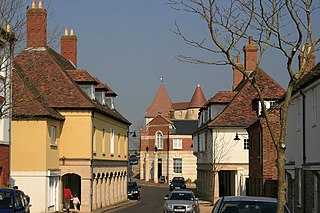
<point x="152" y="201"/>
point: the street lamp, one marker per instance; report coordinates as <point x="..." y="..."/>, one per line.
<point x="236" y="138"/>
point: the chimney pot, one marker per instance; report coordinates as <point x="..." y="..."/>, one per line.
<point x="8" y="28"/>
<point x="66" y="32"/>
<point x="33" y="4"/>
<point x="250" y="39"/>
<point x="40" y="4"/>
<point x="71" y="31"/>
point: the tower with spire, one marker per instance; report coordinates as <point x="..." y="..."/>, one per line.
<point x="166" y="143"/>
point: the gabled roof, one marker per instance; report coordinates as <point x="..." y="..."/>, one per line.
<point x="240" y="113"/>
<point x="222" y="97"/>
<point x="184" y="127"/>
<point x="198" y="99"/>
<point x="45" y="72"/>
<point x="159" y="119"/>
<point x="161" y="103"/>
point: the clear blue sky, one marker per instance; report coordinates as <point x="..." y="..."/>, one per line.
<point x="128" y="45"/>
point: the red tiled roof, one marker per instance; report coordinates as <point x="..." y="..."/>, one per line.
<point x="240" y="113"/>
<point x="26" y="99"/>
<point x="82" y="76"/>
<point x="222" y="97"/>
<point x="45" y="72"/>
<point x="198" y="99"/>
<point x="180" y="105"/>
<point x="160" y="104"/>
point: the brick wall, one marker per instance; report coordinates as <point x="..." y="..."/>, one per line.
<point x="4" y="163"/>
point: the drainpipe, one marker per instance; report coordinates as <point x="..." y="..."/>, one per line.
<point x="92" y="159"/>
<point x="304" y="147"/>
<point x="260" y="161"/>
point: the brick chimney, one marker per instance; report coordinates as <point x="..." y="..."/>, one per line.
<point x="311" y="62"/>
<point x="69" y="46"/>
<point x="250" y="55"/>
<point x="36" y="26"/>
<point x="237" y="74"/>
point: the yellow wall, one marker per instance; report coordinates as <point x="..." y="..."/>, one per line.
<point x="120" y="138"/>
<point x="76" y="136"/>
<point x="30" y="147"/>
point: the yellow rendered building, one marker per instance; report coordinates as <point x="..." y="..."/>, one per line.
<point x="65" y="129"/>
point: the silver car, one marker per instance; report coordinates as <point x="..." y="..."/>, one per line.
<point x="244" y="204"/>
<point x="181" y="201"/>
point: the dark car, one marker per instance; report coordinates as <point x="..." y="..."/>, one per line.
<point x="233" y="204"/>
<point x="133" y="160"/>
<point x="133" y="190"/>
<point x="14" y="201"/>
<point x="177" y="183"/>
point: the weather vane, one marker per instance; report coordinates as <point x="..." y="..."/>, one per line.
<point x="161" y="79"/>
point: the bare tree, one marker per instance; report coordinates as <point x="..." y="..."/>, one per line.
<point x="284" y="25"/>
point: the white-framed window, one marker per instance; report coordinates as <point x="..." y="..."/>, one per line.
<point x="177" y="165"/>
<point x="315" y="194"/>
<point x="314" y="106"/>
<point x="111" y="141"/>
<point x="103" y="145"/>
<point x="177" y="143"/>
<point x="53" y="135"/>
<point x="246" y="144"/>
<point x="159" y="141"/>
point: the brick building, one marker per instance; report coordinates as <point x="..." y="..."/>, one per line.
<point x="262" y="157"/>
<point x="166" y="143"/>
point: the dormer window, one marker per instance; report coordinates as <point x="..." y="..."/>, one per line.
<point x="110" y="102"/>
<point x="268" y="105"/>
<point x="101" y="97"/>
<point x="89" y="90"/>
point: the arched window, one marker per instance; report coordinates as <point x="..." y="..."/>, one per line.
<point x="159" y="142"/>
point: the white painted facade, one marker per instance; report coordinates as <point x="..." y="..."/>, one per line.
<point x="302" y="143"/>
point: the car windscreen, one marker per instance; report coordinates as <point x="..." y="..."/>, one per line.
<point x="132" y="186"/>
<point x="249" y="206"/>
<point x="178" y="181"/>
<point x="6" y="200"/>
<point x="181" y="196"/>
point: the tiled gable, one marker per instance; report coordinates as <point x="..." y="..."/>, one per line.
<point x="240" y="113"/>
<point x="82" y="76"/>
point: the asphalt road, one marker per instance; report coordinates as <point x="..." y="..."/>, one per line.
<point x="151" y="201"/>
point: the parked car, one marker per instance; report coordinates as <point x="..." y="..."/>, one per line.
<point x="14" y="201"/>
<point x="133" y="190"/>
<point x="244" y="204"/>
<point x="133" y="160"/>
<point x="181" y="200"/>
<point x="177" y="183"/>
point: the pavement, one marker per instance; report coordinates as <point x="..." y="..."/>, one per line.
<point x="205" y="206"/>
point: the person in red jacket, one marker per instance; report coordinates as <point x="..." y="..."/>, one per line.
<point x="67" y="195"/>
